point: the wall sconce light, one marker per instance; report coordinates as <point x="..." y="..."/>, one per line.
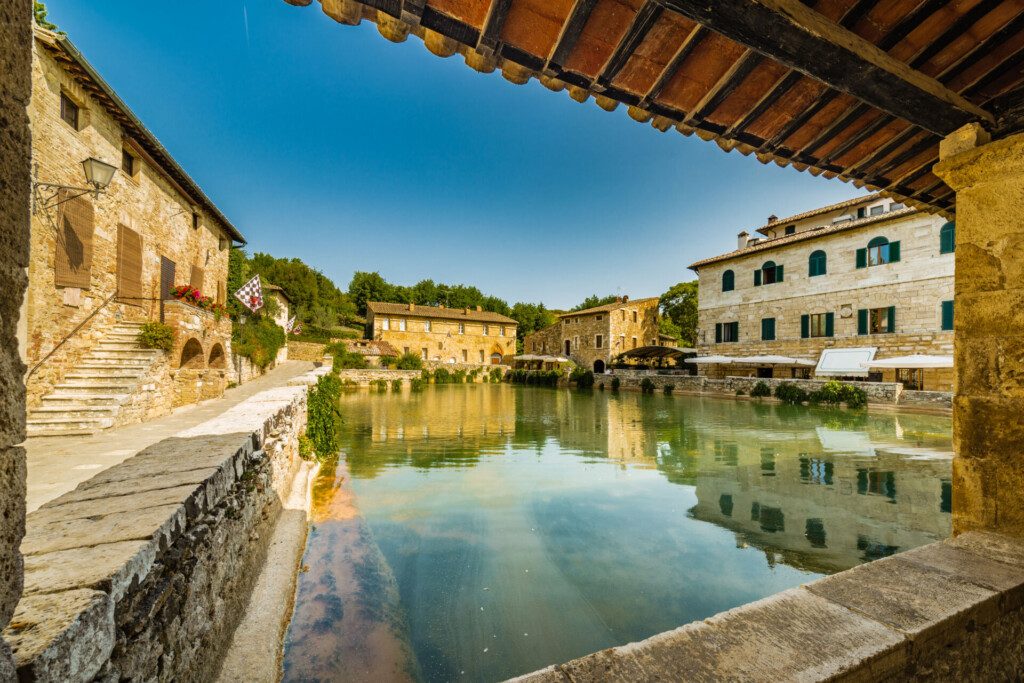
<point x="98" y="175"/>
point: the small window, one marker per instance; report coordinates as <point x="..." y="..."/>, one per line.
<point x="69" y="111"/>
<point x="634" y="342"/>
<point x="599" y="342"/>
<point x="768" y="274"/>
<point x="481" y="357"/>
<point x="728" y="282"/>
<point x="600" y="318"/>
<point x="423" y="353"/>
<point x="501" y="331"/>
<point x="876" y="320"/>
<point x="634" y="316"/>
<point x="127" y="163"/>
<point x="727" y="332"/>
<point x="947" y="238"/>
<point x="195" y="220"/>
<point x="426" y="326"/>
<point x="817" y="264"/>
<point x="790" y="229"/>
<point x="487" y="330"/>
<point x="947" y="315"/>
<point x="897" y="206"/>
<point x="878" y="252"/>
<point x="385" y="324"/>
<point x="401" y="324"/>
<point x="465" y="356"/>
<point x="768" y="329"/>
<point x="462" y="328"/>
<point x="877" y="210"/>
<point x="406" y="350"/>
<point x="818" y="325"/>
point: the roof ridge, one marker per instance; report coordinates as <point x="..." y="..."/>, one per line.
<point x="820" y="210"/>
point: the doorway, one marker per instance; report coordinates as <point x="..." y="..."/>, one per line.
<point x="598" y="367"/>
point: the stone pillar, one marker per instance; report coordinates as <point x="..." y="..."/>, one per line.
<point x="988" y="408"/>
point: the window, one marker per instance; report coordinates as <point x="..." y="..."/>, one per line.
<point x="401" y="324"/>
<point x="195" y="221"/>
<point x="727" y="332"/>
<point x="487" y="330"/>
<point x="406" y="350"/>
<point x="465" y="356"/>
<point x="599" y="318"/>
<point x="947" y="315"/>
<point x="817" y="325"/>
<point x="790" y="229"/>
<point x="877" y="210"/>
<point x="385" y="324"/>
<point x="462" y="328"/>
<point x="878" y="252"/>
<point x="69" y="111"/>
<point x="127" y="163"/>
<point x="634" y="316"/>
<point x="728" y="282"/>
<point x="768" y="329"/>
<point x="73" y="264"/>
<point x="423" y="353"/>
<point x="427" y="326"/>
<point x="876" y="320"/>
<point x="897" y="206"/>
<point x="599" y="342"/>
<point x="501" y="331"/>
<point x="817" y="264"/>
<point x="634" y="342"/>
<point x="947" y="238"/>
<point x="768" y="274"/>
<point x="481" y="357"/>
<point x="129" y="266"/>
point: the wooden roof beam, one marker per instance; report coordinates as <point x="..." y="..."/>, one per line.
<point x="496" y="16"/>
<point x="572" y="29"/>
<point x="643" y="22"/>
<point x="798" y="37"/>
<point x="686" y="48"/>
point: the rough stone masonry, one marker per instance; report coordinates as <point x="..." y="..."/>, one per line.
<point x="15" y="184"/>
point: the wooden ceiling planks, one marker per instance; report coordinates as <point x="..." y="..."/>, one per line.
<point x="654" y="56"/>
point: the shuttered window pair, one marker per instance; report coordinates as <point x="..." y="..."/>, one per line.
<point x="878" y="252"/>
<point x="129" y="266"/>
<point x="768" y="274"/>
<point x="727" y="332"/>
<point x="876" y="320"/>
<point x="75" y="226"/>
<point x="817" y="325"/>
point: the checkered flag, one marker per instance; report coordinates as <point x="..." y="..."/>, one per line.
<point x="251" y="294"/>
<point x="291" y="325"/>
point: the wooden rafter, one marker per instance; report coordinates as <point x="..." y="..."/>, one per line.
<point x="686" y="48"/>
<point x="570" y="34"/>
<point x="496" y="16"/>
<point x="643" y="22"/>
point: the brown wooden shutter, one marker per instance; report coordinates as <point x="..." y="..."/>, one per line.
<point x="73" y="262"/>
<point x="167" y="269"/>
<point x="129" y="265"/>
<point x="222" y="293"/>
<point x="196" y="280"/>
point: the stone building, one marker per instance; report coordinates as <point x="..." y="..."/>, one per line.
<point x="865" y="273"/>
<point x="104" y="262"/>
<point x="591" y="338"/>
<point x="285" y="310"/>
<point x="448" y="335"/>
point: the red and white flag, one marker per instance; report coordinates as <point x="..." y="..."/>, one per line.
<point x="251" y="294"/>
<point x="291" y="325"/>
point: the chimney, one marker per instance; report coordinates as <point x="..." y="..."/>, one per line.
<point x="440" y="305"/>
<point x="772" y="219"/>
<point x="467" y="310"/>
<point x="479" y="308"/>
<point x="742" y="239"/>
<point x="412" y="307"/>
<point x="625" y="299"/>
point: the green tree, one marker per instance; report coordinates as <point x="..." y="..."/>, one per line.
<point x="679" y="307"/>
<point x="593" y="301"/>
<point x="238" y="275"/>
<point x="369" y="287"/>
<point x="39" y="12"/>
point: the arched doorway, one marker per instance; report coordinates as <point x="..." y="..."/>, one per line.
<point x="599" y="367"/>
<point x="496" y="359"/>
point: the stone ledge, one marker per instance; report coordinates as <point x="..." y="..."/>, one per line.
<point x="888" y="619"/>
<point x="125" y="528"/>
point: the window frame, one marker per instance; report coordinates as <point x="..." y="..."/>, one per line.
<point x="817" y="263"/>
<point x="728" y="281"/>
<point x="598" y="341"/>
<point x="69" y="109"/>
<point x="768" y="329"/>
<point x="129" y="163"/>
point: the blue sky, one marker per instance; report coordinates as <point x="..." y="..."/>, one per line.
<point x="329" y="143"/>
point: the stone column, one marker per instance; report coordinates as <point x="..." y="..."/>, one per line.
<point x="15" y="184"/>
<point x="988" y="409"/>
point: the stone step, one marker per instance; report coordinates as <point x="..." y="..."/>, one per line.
<point x="149" y="354"/>
<point x="89" y="362"/>
<point x="103" y="384"/>
<point x="127" y="345"/>
<point x="36" y="425"/>
<point x="103" y="373"/>
<point x="66" y="397"/>
<point x="76" y="410"/>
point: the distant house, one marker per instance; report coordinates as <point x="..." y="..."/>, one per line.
<point x="371" y="349"/>
<point x="592" y="337"/>
<point x="284" y="313"/>
<point x="469" y="336"/>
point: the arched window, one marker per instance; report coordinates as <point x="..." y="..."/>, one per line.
<point x="728" y="281"/>
<point x="768" y="274"/>
<point x="817" y="264"/>
<point x="947" y="238"/>
<point x="878" y="252"/>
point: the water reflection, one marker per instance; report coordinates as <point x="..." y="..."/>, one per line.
<point x="486" y="531"/>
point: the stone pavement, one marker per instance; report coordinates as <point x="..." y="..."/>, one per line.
<point x="57" y="465"/>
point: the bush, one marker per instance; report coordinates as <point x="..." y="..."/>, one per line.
<point x="442" y="376"/>
<point x="547" y="378"/>
<point x="379" y="384"/>
<point x="668" y="389"/>
<point x="790" y="393"/>
<point x="647" y="385"/>
<point x="740" y="392"/>
<point x="417" y="384"/>
<point x="834" y="393"/>
<point x="345" y="359"/>
<point x="600" y="386"/>
<point x="854" y="396"/>
<point x="396" y="385"/>
<point x="584" y="378"/>
<point x="761" y="390"/>
<point x="616" y="383"/>
<point x="258" y="339"/>
<point x="322" y="417"/>
<point x="154" y="335"/>
<point x="496" y="374"/>
<point x="388" y="361"/>
<point x="459" y="376"/>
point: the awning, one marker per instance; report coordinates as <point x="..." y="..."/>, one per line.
<point x="711" y="360"/>
<point x="845" y="362"/>
<point x="544" y="359"/>
<point x="655" y="352"/>
<point x="773" y="360"/>
<point x="918" y="361"/>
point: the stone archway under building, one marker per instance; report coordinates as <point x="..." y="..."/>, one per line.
<point x="192" y="356"/>
<point x="599" y="366"/>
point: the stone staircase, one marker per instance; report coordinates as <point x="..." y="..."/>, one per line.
<point x="90" y="397"/>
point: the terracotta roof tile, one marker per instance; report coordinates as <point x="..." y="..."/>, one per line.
<point x="370" y="347"/>
<point x="607" y="307"/>
<point x="385" y="308"/>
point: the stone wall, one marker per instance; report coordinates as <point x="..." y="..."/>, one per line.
<point x="916" y="285"/>
<point x="199" y="357"/>
<point x="146" y="203"/>
<point x="364" y="377"/>
<point x="307" y="351"/>
<point x="15" y="184"/>
<point x="242" y="370"/>
<point x="144" y="571"/>
<point x="475" y="343"/>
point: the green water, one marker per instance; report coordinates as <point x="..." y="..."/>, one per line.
<point x="480" y="532"/>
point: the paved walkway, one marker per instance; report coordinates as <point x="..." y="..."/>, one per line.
<point x="57" y="465"/>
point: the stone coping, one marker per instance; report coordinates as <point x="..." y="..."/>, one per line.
<point x="86" y="549"/>
<point x="888" y="619"/>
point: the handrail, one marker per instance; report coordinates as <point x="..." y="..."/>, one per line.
<point x="70" y="335"/>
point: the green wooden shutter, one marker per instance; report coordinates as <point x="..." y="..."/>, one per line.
<point x="718" y="333"/>
<point x="805" y="326"/>
<point x="892" y="319"/>
<point x="778" y="273"/>
<point x="862" y="258"/>
<point x="768" y="329"/>
<point x="862" y="321"/>
<point x="947" y="238"/>
<point x="830" y="324"/>
<point x="894" y="252"/>
<point x="757" y="277"/>
<point x="947" y="315"/>
<point x="735" y="331"/>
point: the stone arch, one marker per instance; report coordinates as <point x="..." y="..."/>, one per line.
<point x="192" y="355"/>
<point x="217" y="358"/>
<point x="599" y="366"/>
